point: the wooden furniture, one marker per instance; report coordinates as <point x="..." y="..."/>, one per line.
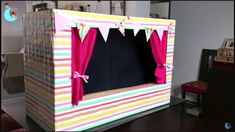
<point x="226" y="52"/>
<point x="225" y="55"/>
<point x="220" y="99"/>
<point x="199" y="87"/>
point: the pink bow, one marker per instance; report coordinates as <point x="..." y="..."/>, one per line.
<point x="77" y="75"/>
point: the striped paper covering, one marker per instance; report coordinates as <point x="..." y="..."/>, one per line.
<point x="48" y="68"/>
<point x="39" y="68"/>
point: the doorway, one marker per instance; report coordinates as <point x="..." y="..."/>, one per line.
<point x="160" y="9"/>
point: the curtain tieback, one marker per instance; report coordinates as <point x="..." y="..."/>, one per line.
<point x="77" y="75"/>
<point x="167" y="65"/>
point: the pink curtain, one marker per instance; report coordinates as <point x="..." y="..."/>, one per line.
<point x="159" y="53"/>
<point x="81" y="54"/>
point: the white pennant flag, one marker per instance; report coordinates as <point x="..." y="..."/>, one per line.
<point x="160" y="32"/>
<point x="104" y="30"/>
<point x="136" y="28"/>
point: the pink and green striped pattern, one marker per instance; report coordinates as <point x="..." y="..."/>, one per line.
<point x="48" y="68"/>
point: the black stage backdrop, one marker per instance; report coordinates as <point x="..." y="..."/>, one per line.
<point x="120" y="62"/>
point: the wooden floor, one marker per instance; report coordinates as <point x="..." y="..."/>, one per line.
<point x="172" y="119"/>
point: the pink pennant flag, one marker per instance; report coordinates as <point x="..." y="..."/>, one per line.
<point x="104" y="30"/>
<point x="136" y="28"/>
<point x="160" y="32"/>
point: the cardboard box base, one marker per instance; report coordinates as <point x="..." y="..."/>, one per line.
<point x="14" y="85"/>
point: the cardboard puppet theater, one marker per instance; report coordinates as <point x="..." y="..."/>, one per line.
<point x="83" y="70"/>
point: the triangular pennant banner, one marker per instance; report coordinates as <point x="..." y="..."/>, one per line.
<point x="136" y="28"/>
<point x="121" y="27"/>
<point x="170" y="29"/>
<point x="104" y="30"/>
<point x="160" y="32"/>
<point x="83" y="30"/>
<point x="122" y="30"/>
<point x="148" y="32"/>
<point x="77" y="24"/>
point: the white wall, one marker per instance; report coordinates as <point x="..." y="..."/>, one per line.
<point x="138" y="8"/>
<point x="133" y="8"/>
<point x="12" y="40"/>
<point x="161" y="9"/>
<point x="199" y="24"/>
<point x="95" y="6"/>
<point x="12" y="36"/>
